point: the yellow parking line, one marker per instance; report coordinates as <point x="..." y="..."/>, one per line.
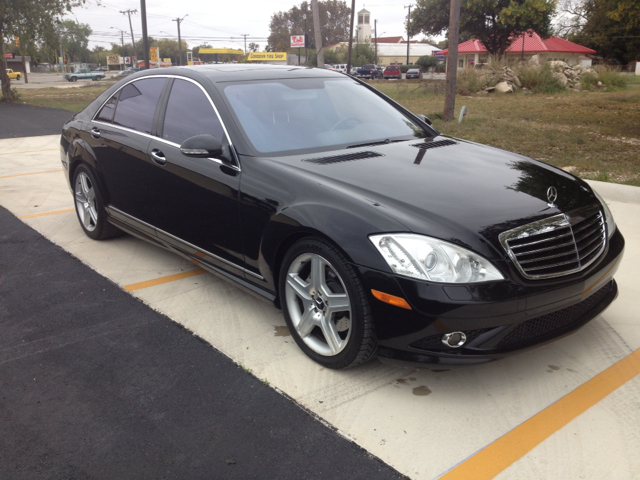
<point x="48" y="213"/>
<point x="161" y="280"/>
<point x="31" y="151"/>
<point x="32" y="173"/>
<point x="497" y="456"/>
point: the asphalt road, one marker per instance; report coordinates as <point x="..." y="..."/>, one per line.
<point x="94" y="384"/>
<point x="20" y="120"/>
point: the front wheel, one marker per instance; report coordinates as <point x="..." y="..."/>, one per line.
<point x="325" y="305"/>
<point x="90" y="206"/>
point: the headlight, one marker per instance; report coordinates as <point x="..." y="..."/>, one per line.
<point x="426" y="258"/>
<point x="611" y="225"/>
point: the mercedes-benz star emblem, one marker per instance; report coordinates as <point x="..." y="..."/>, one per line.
<point x="552" y="195"/>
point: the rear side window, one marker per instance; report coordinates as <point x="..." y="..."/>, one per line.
<point x="137" y="104"/>
<point x="106" y="112"/>
<point x="189" y="113"/>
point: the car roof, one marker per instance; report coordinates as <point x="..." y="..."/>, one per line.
<point x="243" y="71"/>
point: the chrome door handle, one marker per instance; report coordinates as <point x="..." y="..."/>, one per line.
<point x="95" y="133"/>
<point x="158" y="157"/>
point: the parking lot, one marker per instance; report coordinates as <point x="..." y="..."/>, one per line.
<point x="568" y="409"/>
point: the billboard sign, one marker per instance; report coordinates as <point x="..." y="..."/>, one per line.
<point x="267" y="56"/>
<point x="127" y="60"/>
<point x="113" y="60"/>
<point x="297" y="41"/>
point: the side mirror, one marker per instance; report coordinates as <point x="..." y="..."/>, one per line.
<point x="425" y="119"/>
<point x="201" y="146"/>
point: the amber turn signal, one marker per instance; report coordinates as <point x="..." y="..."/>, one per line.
<point x="391" y="299"/>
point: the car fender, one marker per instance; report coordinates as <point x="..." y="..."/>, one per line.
<point x="81" y="152"/>
<point x="341" y="227"/>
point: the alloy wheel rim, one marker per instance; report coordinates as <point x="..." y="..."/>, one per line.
<point x="85" y="196"/>
<point x="318" y="304"/>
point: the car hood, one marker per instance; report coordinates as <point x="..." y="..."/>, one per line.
<point x="464" y="192"/>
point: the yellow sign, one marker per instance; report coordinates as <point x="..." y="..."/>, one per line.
<point x="113" y="60"/>
<point x="231" y="51"/>
<point x="166" y="60"/>
<point x="153" y="54"/>
<point x="267" y="56"/>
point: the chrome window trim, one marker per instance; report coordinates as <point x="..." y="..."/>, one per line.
<point x="215" y="109"/>
<point x="159" y="230"/>
<point x="561" y="220"/>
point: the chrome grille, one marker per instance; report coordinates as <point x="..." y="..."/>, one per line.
<point x="556" y="246"/>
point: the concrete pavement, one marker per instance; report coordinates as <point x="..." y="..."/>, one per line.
<point x="422" y="422"/>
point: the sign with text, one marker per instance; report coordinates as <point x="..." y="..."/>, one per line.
<point x="113" y="60"/>
<point x="298" y="41"/>
<point x="267" y="56"/>
<point x="127" y="60"/>
<point x="8" y="55"/>
<point x="153" y="54"/>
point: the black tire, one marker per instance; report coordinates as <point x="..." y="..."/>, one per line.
<point x="89" y="205"/>
<point x="353" y="333"/>
<point x="73" y="79"/>
<point x="18" y="77"/>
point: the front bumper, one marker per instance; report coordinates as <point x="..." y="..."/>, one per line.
<point x="497" y="317"/>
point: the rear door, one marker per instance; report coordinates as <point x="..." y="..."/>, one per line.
<point x="196" y="199"/>
<point x="119" y="135"/>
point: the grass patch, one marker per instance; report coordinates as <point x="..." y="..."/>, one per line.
<point x="73" y="99"/>
<point x="594" y="135"/>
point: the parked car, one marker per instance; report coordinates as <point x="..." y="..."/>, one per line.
<point x="368" y="71"/>
<point x="369" y="228"/>
<point x="413" y="73"/>
<point x="84" y="74"/>
<point x="13" y="75"/>
<point x="392" y="71"/>
<point x="124" y="73"/>
<point x="341" y="67"/>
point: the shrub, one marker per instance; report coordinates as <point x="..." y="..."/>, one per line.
<point x="610" y="76"/>
<point x="405" y="68"/>
<point x="472" y="80"/>
<point x="427" y="61"/>
<point x="539" y="79"/>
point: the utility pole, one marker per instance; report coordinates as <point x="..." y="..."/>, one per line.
<point x="452" y="61"/>
<point x="122" y="43"/>
<point x="375" y="33"/>
<point x="318" y="33"/>
<point x="306" y="35"/>
<point x="353" y="13"/>
<point x="408" y="37"/>
<point x="128" y="13"/>
<point x="245" y="35"/>
<point x="179" y="21"/>
<point x="145" y="40"/>
<point x="61" y="51"/>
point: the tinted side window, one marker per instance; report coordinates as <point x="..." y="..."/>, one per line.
<point x="137" y="104"/>
<point x="106" y="112"/>
<point x="189" y="113"/>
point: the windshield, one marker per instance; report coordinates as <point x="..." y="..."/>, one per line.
<point x="312" y="113"/>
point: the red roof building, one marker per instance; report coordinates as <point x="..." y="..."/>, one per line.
<point x="473" y="52"/>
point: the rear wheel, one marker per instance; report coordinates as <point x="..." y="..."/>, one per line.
<point x="90" y="206"/>
<point x="18" y="77"/>
<point x="325" y="306"/>
<point x="73" y="79"/>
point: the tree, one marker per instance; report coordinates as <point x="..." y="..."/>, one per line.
<point x="254" y="47"/>
<point x="75" y="40"/>
<point x="494" y="22"/>
<point x="334" y="18"/>
<point x="611" y="27"/>
<point x="32" y="21"/>
<point x="426" y="62"/>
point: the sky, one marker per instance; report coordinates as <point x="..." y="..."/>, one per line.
<point x="220" y="23"/>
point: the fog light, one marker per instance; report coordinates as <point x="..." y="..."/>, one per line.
<point x="454" y="339"/>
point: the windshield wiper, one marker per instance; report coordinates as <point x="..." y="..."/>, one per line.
<point x="370" y="144"/>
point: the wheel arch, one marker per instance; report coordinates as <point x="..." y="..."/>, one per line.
<point x="81" y="153"/>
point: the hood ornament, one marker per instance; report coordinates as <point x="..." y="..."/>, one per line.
<point x="552" y="195"/>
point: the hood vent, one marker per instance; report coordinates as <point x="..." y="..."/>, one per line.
<point x="347" y="157"/>
<point x="436" y="144"/>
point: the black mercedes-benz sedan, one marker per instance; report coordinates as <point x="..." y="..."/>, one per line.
<point x="373" y="233"/>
